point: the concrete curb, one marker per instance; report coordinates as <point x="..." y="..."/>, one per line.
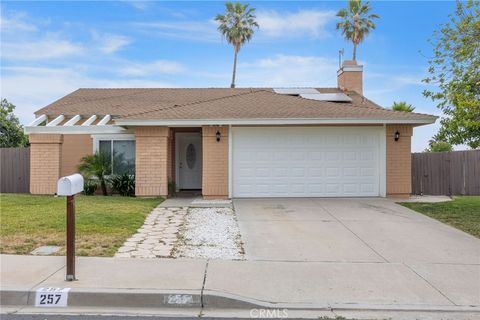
<point x="150" y="299"/>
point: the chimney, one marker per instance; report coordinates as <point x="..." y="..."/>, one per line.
<point x="350" y="77"/>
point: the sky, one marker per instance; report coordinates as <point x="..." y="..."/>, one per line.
<point x="49" y="49"/>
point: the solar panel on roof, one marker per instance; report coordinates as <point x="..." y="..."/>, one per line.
<point x="332" y="97"/>
<point x="295" y="91"/>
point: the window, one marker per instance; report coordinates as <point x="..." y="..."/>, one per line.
<point x="191" y="156"/>
<point x="121" y="154"/>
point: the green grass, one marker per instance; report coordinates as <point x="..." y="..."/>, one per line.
<point x="462" y="213"/>
<point x="102" y="223"/>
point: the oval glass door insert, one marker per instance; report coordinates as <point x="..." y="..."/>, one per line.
<point x="191" y="156"/>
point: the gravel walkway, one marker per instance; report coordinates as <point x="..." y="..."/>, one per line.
<point x="210" y="233"/>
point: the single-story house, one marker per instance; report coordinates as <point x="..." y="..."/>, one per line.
<point x="232" y="143"/>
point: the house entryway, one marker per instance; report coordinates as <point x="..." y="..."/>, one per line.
<point x="188" y="161"/>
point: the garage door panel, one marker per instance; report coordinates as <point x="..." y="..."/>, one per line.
<point x="305" y="162"/>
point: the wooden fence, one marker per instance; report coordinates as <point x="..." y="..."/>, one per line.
<point x="15" y="170"/>
<point x="446" y="173"/>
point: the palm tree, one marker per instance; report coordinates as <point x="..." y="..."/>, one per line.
<point x="402" y="106"/>
<point x="236" y="26"/>
<point x="97" y="165"/>
<point x="356" y="23"/>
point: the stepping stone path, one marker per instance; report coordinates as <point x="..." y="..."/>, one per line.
<point x="157" y="237"/>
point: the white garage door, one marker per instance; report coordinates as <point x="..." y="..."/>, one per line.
<point x="307" y="161"/>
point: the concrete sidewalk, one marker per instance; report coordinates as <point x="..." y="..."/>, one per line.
<point x="209" y="286"/>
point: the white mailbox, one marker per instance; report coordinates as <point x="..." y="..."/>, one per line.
<point x="70" y="185"/>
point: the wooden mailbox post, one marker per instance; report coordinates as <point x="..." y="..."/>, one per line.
<point x="69" y="186"/>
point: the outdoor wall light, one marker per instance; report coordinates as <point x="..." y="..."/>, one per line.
<point x="218" y="135"/>
<point x="397" y="135"/>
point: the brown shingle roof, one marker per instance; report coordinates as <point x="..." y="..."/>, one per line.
<point x="216" y="103"/>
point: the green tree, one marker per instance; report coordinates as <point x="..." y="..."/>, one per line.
<point x="439" y="146"/>
<point x="454" y="72"/>
<point x="97" y="166"/>
<point x="356" y="23"/>
<point x="237" y="27"/>
<point x="11" y="131"/>
<point x="402" y="106"/>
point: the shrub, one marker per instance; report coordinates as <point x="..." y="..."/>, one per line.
<point x="98" y="166"/>
<point x="124" y="184"/>
<point x="89" y="187"/>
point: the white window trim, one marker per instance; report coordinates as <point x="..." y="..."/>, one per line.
<point x="97" y="137"/>
<point x="111" y="137"/>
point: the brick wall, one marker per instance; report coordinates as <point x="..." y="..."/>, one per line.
<point x="151" y="163"/>
<point x="215" y="163"/>
<point x="45" y="162"/>
<point x="74" y="148"/>
<point x="399" y="183"/>
<point x="349" y="79"/>
<point x="171" y="156"/>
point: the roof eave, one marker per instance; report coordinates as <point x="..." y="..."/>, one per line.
<point x="277" y="121"/>
<point x="97" y="129"/>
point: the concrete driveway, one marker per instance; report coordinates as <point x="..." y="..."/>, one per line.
<point x="348" y="230"/>
<point x="371" y="247"/>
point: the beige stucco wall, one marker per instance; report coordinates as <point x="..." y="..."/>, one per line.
<point x="45" y="162"/>
<point x="151" y="163"/>
<point x="74" y="148"/>
<point x="399" y="161"/>
<point x="215" y="163"/>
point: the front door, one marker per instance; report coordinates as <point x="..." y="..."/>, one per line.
<point x="189" y="160"/>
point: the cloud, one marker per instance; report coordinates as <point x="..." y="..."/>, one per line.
<point x="46" y="85"/>
<point x="151" y="68"/>
<point x="202" y="31"/>
<point x="138" y="4"/>
<point x="303" y="23"/>
<point x="15" y="21"/>
<point x="392" y="83"/>
<point x="111" y="43"/>
<point x="273" y="24"/>
<point x="289" y="70"/>
<point x="47" y="48"/>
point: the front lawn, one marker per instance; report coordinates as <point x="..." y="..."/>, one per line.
<point x="102" y="223"/>
<point x="462" y="213"/>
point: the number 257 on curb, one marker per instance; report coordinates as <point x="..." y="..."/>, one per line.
<point x="51" y="297"/>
